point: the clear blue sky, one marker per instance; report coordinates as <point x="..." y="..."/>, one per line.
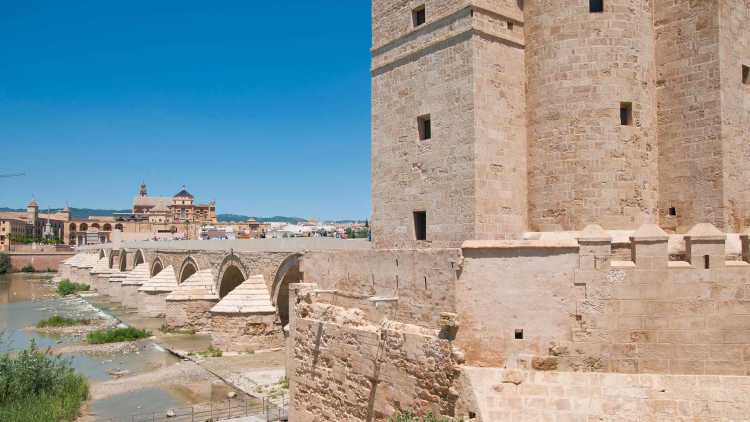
<point x="262" y="106"/>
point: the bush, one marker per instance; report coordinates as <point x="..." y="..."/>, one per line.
<point x="116" y="335"/>
<point x="4" y="263"/>
<point x="411" y="417"/>
<point x="36" y="386"/>
<point x="28" y="269"/>
<point x="67" y="287"/>
<point x="58" y="321"/>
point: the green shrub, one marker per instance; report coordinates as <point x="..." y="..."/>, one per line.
<point x="27" y="269"/>
<point x="66" y="287"/>
<point x="411" y="417"/>
<point x="36" y="386"/>
<point x="4" y="262"/>
<point x="116" y="335"/>
<point x="58" y="321"/>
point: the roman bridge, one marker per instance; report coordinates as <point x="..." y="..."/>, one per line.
<point x="236" y="290"/>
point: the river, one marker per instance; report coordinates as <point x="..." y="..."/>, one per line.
<point x="26" y="299"/>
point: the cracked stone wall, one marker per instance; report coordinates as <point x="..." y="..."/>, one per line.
<point x="348" y="368"/>
<point x="245" y="333"/>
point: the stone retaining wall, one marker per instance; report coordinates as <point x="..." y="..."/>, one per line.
<point x="191" y="314"/>
<point x="245" y="333"/>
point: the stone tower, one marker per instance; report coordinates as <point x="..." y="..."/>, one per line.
<point x="493" y="118"/>
<point x="448" y="122"/>
<point x="703" y="79"/>
<point x="591" y="114"/>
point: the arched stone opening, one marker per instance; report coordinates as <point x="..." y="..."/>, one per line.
<point x="84" y="227"/>
<point x="118" y="227"/>
<point x="107" y="227"/>
<point x="72" y="227"/>
<point x="138" y="259"/>
<point x="156" y="267"/>
<point x="112" y="259"/>
<point x="101" y="254"/>
<point x="188" y="268"/>
<point x="288" y="273"/>
<point x="123" y="260"/>
<point x="231" y="278"/>
<point x="95" y="226"/>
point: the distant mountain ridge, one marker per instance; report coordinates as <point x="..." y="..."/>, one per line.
<point x="83" y="213"/>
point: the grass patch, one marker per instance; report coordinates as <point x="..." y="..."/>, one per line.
<point x="58" y="321"/>
<point x="411" y="417"/>
<point x="171" y="330"/>
<point x="211" y="352"/>
<point x="284" y="383"/>
<point x="36" y="386"/>
<point x="116" y="335"/>
<point x="67" y="287"/>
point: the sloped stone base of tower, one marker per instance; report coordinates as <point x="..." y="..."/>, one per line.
<point x="190" y="314"/>
<point x="245" y="333"/>
<point x="152" y="304"/>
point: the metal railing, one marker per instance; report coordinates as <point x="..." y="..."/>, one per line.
<point x="262" y="409"/>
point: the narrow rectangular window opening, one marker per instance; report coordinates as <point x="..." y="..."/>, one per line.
<point x="425" y="127"/>
<point x="519" y="334"/>
<point x="706" y="262"/>
<point x="596" y="6"/>
<point x="419" y="16"/>
<point x="626" y="114"/>
<point x="746" y="75"/>
<point x="672" y="211"/>
<point x="420" y="225"/>
<point x="510" y="25"/>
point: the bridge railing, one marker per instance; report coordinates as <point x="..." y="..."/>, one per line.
<point x="262" y="409"/>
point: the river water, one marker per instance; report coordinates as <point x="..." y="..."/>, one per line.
<point x="26" y="299"/>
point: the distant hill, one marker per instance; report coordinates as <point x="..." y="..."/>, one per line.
<point x="75" y="213"/>
<point x="278" y="218"/>
<point x="83" y="213"/>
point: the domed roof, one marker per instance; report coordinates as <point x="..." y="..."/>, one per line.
<point x="33" y="203"/>
<point x="183" y="193"/>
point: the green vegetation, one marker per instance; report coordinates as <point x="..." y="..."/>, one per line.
<point x="361" y="233"/>
<point x="211" y="352"/>
<point x="116" y="335"/>
<point x="27" y="269"/>
<point x="411" y="417"/>
<point x="58" y="321"/>
<point x="4" y="263"/>
<point x="171" y="330"/>
<point x="284" y="383"/>
<point x="36" y="386"/>
<point x="67" y="287"/>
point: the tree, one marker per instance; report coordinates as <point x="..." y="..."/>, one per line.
<point x="4" y="263"/>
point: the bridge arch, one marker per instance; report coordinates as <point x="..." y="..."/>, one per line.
<point x="107" y="227"/>
<point x="95" y="226"/>
<point x="84" y="227"/>
<point x="231" y="274"/>
<point x="72" y="227"/>
<point x="188" y="268"/>
<point x="139" y="258"/>
<point x="287" y="273"/>
<point x="156" y="267"/>
<point x="112" y="259"/>
<point x="123" y="260"/>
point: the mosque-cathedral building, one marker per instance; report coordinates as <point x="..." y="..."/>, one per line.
<point x="151" y="216"/>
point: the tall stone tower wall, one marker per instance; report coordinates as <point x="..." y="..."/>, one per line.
<point x="464" y="69"/>
<point x="704" y="113"/>
<point x="584" y="165"/>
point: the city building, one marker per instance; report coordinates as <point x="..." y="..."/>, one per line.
<point x="31" y="226"/>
